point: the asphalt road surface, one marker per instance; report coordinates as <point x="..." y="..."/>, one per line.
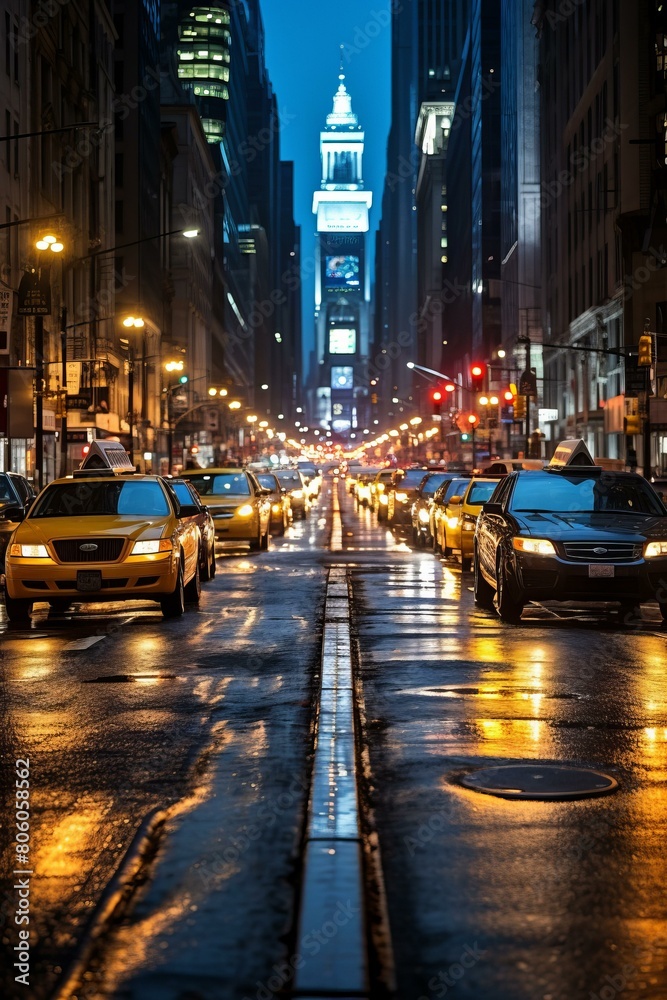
<point x="212" y="713"/>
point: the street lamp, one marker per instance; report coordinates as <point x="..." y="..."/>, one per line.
<point x="133" y="323"/>
<point x="44" y="243"/>
<point x="473" y="420"/>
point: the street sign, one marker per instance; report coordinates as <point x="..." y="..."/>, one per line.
<point x="35" y="293"/>
<point x="528" y="383"/>
<point x="73" y="378"/>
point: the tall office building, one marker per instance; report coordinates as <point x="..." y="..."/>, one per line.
<point x="342" y="279"/>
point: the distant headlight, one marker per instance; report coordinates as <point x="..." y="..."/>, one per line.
<point x="655" y="549"/>
<point x="298" y="494"/>
<point x="151" y="548"/>
<point x="423" y="516"/>
<point x="379" y="487"/>
<point x="384" y="500"/>
<point x="245" y="511"/>
<point x="538" y="546"/>
<point x="30" y="551"/>
<point x="401" y="497"/>
<point x="276" y="508"/>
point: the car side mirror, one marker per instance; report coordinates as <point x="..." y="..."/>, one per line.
<point x="13" y="514"/>
<point x="188" y="510"/>
<point x="265" y="492"/>
<point x="492" y="508"/>
<point x="455" y="501"/>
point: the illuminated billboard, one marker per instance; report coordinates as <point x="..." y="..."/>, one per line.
<point x="342" y="272"/>
<point x="342" y="340"/>
<point x="342" y="377"/>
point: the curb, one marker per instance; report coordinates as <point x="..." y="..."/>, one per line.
<point x="113" y="900"/>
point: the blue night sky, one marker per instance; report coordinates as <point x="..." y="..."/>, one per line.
<point x="303" y="40"/>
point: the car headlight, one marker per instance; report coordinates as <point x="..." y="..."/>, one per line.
<point x="655" y="549"/>
<point x="423" y="516"/>
<point x="276" y="508"/>
<point x="380" y="487"/>
<point x="30" y="551"/>
<point x="401" y="497"/>
<point x="384" y="500"/>
<point x="151" y="548"/>
<point x="469" y="522"/>
<point x="537" y="546"/>
<point x="452" y="522"/>
<point x="298" y="494"/>
<point x="246" y="510"/>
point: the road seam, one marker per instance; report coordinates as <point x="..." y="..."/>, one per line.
<point x="332" y="907"/>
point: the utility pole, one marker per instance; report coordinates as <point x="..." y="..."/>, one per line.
<point x="39" y="401"/>
<point x="63" y="381"/>
<point x="528" y="360"/>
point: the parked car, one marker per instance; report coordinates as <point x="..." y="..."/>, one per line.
<point x="187" y="495"/>
<point x="420" y="512"/>
<point x="281" y="506"/>
<point x="438" y="508"/>
<point x="571" y="533"/>
<point x="460" y="518"/>
<point x="401" y="492"/>
<point x="16" y="496"/>
<point x="239" y="506"/>
<point x="99" y="536"/>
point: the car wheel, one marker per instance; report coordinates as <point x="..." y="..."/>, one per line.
<point x="508" y="606"/>
<point x="18" y="610"/>
<point x="484" y="592"/>
<point x="256" y="543"/>
<point x="466" y="564"/>
<point x="205" y="571"/>
<point x="60" y="605"/>
<point x="193" y="589"/>
<point x="214" y="565"/>
<point x="264" y="542"/>
<point x="663" y="610"/>
<point x="436" y="544"/>
<point x="415" y="537"/>
<point x="173" y="605"/>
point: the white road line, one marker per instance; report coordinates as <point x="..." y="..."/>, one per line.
<point x="337" y="529"/>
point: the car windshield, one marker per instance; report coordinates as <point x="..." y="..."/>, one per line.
<point x="289" y="479"/>
<point x="86" y="499"/>
<point x="218" y="484"/>
<point x="268" y="481"/>
<point x="480" y="492"/>
<point x="7" y="494"/>
<point x="411" y="479"/>
<point x="432" y="484"/>
<point x="575" y="494"/>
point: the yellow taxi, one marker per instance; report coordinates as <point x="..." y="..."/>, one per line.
<point x="239" y="505"/>
<point x="103" y="536"/>
<point x="461" y="518"/>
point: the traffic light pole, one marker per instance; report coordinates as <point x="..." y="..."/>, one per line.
<point x="474" y="463"/>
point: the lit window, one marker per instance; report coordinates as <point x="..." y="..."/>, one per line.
<point x="444" y="259"/>
<point x="443" y="242"/>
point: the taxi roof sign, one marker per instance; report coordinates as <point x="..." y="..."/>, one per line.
<point x="572" y="452"/>
<point x="107" y="455"/>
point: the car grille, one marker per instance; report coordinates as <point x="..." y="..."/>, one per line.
<point x="614" y="551"/>
<point x="108" y="550"/>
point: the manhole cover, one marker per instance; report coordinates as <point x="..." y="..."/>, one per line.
<point x="540" y="781"/>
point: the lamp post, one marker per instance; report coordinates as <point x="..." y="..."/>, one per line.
<point x="53" y="244"/>
<point x="132" y="323"/>
<point x="473" y="420"/>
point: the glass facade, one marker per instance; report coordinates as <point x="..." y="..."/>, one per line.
<point x="204" y="59"/>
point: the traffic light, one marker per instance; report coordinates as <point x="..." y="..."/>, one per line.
<point x="477" y="373"/>
<point x="645" y="359"/>
<point x="436" y="402"/>
<point x="519" y="407"/>
<point x="632" y="425"/>
<point x="507" y="407"/>
<point x="374" y="398"/>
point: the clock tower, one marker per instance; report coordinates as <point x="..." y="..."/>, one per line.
<point x="342" y="278"/>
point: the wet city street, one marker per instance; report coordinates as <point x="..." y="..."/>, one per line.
<point x="212" y="716"/>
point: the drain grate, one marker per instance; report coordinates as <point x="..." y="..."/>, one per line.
<point x="540" y="781"/>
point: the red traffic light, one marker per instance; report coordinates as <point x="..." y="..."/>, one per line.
<point x="473" y="419"/>
<point x="436" y="395"/>
<point x="450" y="387"/>
<point x="477" y="375"/>
<point x="477" y="371"/>
<point x="508" y="395"/>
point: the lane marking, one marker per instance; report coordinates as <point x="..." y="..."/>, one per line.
<point x="336" y="544"/>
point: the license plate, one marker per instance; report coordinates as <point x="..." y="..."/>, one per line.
<point x="600" y="571"/>
<point x="88" y="580"/>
